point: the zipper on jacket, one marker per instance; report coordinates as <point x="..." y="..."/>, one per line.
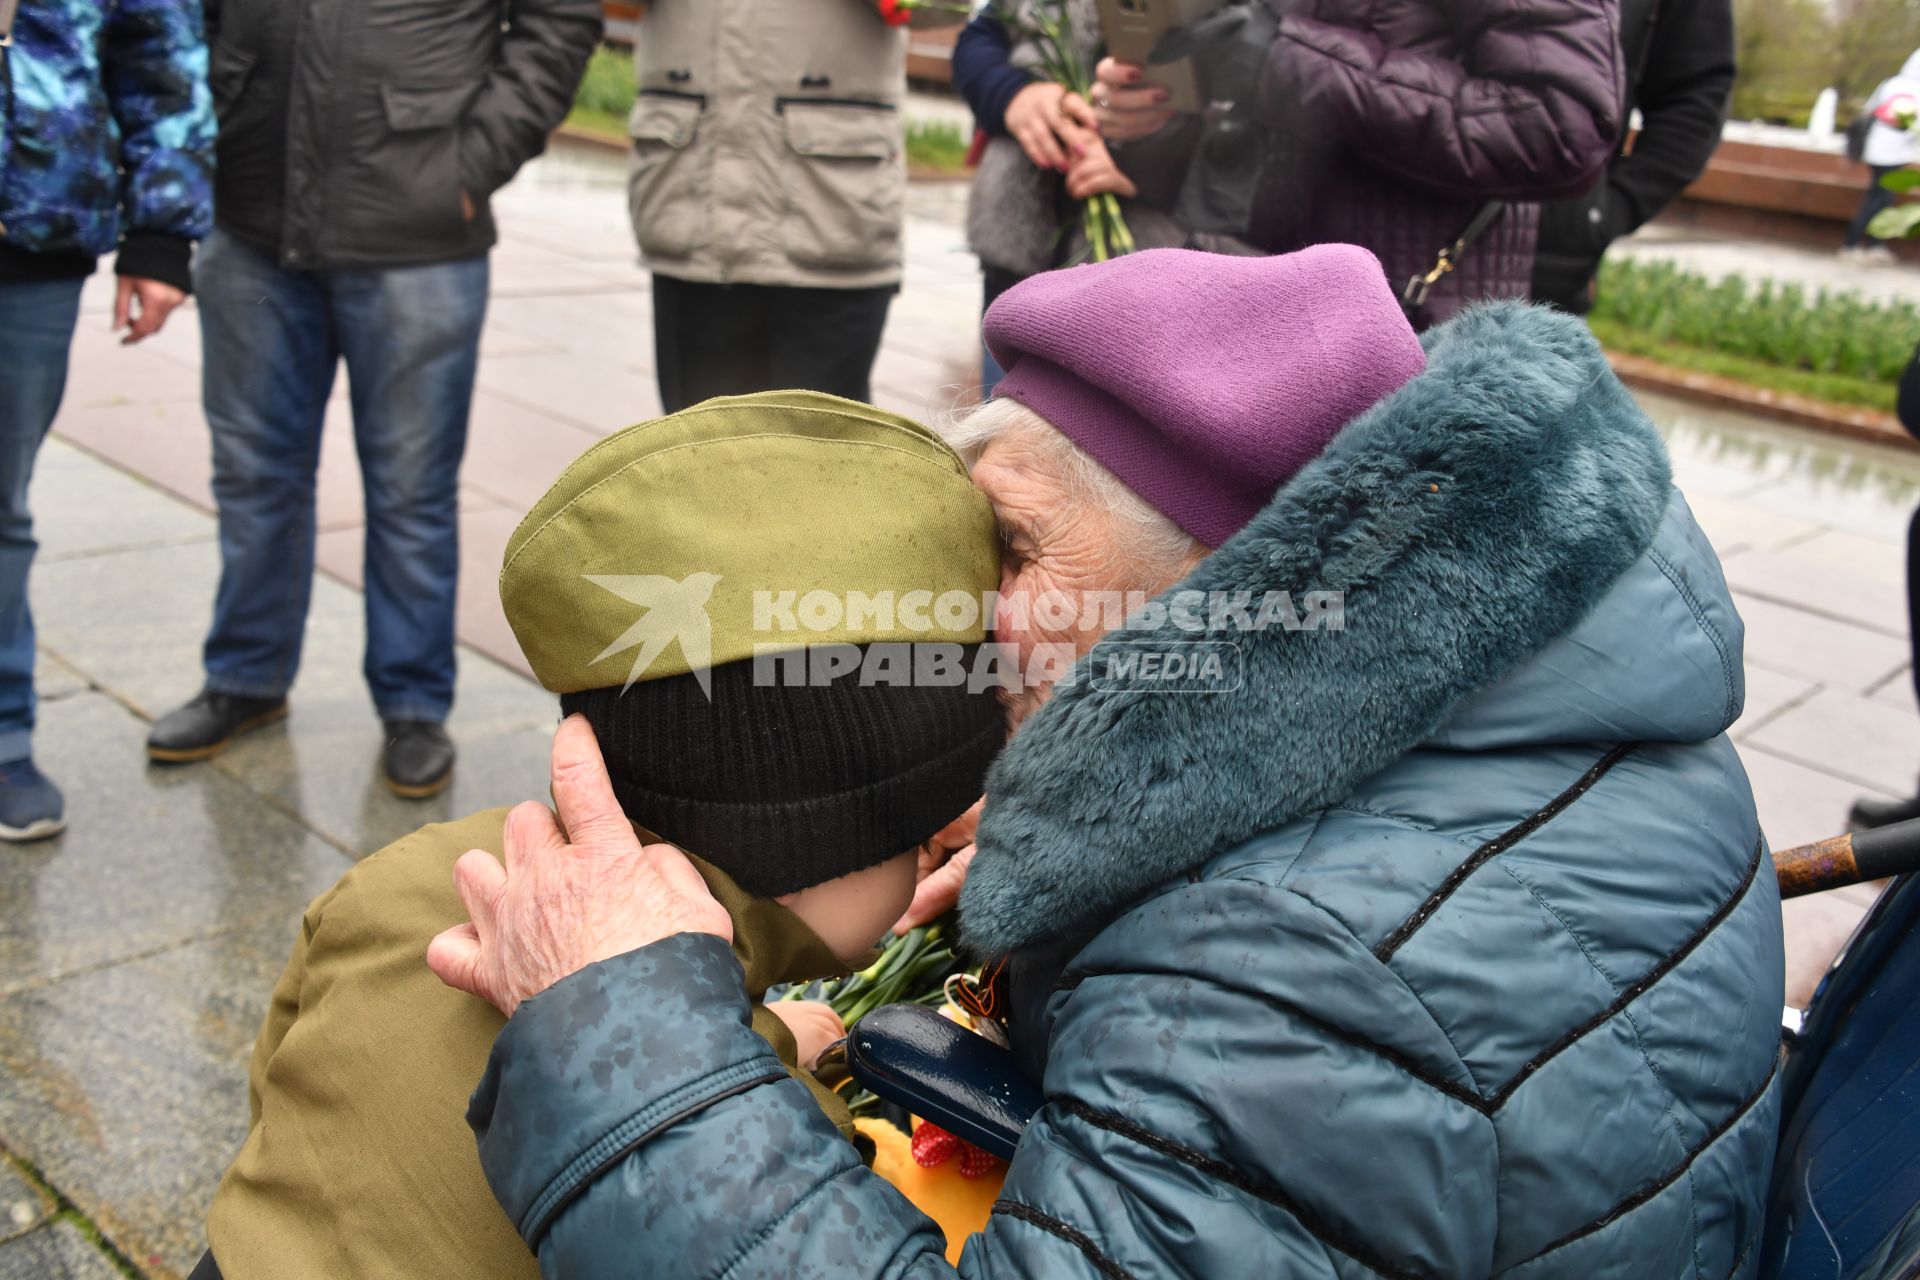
<point x="865" y="104"/>
<point x="679" y="94"/>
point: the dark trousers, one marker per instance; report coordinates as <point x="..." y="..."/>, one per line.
<point x="734" y="339"/>
<point x="1876" y="198"/>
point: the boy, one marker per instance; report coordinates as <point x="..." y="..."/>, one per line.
<point x="638" y="590"/>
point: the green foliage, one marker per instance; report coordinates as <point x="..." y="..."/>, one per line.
<point x="1787" y="51"/>
<point x="1834" y="388"/>
<point x="608" y="87"/>
<point x="1896" y="223"/>
<point x="1871" y="38"/>
<point x="1784" y="51"/>
<point x="937" y="144"/>
<point x="1772" y="323"/>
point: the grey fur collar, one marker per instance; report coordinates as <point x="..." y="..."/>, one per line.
<point x="1470" y="518"/>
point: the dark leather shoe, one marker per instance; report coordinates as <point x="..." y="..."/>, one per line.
<point x="206" y="725"/>
<point x="1867" y="814"/>
<point x="418" y="760"/>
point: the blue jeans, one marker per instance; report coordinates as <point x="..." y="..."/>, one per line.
<point x="272" y="338"/>
<point x="36" y="328"/>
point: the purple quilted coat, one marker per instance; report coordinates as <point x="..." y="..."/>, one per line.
<point x="1394" y="120"/>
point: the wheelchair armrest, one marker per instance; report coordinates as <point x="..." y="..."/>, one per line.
<point x="909" y="1055"/>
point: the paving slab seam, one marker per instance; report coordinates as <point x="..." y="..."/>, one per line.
<point x="1747" y="744"/>
<point x="47" y="981"/>
<point x="1791" y="602"/>
<point x="561" y="290"/>
<point x="65" y="1210"/>
<point x="1744" y="731"/>
<point x="272" y="802"/>
<point x="519" y="403"/>
<point x="1904" y="672"/>
<point x="156" y="544"/>
<point x="1800" y="539"/>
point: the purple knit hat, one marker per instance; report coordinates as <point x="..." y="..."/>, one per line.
<point x="1205" y="381"/>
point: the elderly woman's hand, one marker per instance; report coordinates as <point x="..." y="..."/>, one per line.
<point x="572" y="892"/>
<point x="1126" y="109"/>
<point x="1051" y="125"/>
<point x="943" y="869"/>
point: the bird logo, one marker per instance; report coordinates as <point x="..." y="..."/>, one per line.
<point x="672" y="611"/>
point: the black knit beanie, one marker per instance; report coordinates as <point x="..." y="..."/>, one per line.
<point x="787" y="786"/>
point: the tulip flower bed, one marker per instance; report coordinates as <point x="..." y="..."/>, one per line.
<point x="1830" y="346"/>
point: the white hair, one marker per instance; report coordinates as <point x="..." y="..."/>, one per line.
<point x="1157" y="551"/>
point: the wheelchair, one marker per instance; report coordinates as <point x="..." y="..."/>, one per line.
<point x="1844" y="1203"/>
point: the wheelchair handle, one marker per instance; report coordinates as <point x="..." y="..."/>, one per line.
<point x="1850" y="859"/>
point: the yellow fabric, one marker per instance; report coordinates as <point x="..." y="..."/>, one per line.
<point x="359" y="1162"/>
<point x="959" y="1205"/>
<point x="784" y="492"/>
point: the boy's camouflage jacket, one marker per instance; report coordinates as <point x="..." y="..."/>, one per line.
<point x="106" y="130"/>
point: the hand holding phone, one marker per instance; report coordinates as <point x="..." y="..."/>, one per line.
<point x="1133" y="28"/>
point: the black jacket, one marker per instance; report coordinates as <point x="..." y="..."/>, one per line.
<point x="1680" y="64"/>
<point x="350" y="128"/>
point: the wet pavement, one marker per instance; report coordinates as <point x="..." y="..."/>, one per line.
<point x="137" y="950"/>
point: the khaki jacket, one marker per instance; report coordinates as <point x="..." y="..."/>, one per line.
<point x="359" y="1161"/>
<point x="768" y="146"/>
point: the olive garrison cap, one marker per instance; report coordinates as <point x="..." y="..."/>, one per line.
<point x="632" y="589"/>
<point x="777" y="493"/>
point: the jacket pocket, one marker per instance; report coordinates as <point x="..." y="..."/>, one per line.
<point x="228" y="70"/>
<point x="667" y="185"/>
<point x="404" y="192"/>
<point x="845" y="182"/>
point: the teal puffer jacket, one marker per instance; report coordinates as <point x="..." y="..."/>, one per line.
<point x="1444" y="944"/>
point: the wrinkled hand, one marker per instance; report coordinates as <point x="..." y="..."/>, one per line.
<point x="1095" y="173"/>
<point x="1126" y="109"/>
<point x="814" y="1025"/>
<point x="1050" y="124"/>
<point x="157" y="301"/>
<point x="572" y="892"/>
<point x="943" y="869"/>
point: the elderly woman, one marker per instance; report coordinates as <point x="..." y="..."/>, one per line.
<point x="1440" y="942"/>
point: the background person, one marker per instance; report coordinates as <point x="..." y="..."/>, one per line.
<point x="1035" y="129"/>
<point x="1890" y="148"/>
<point x="106" y="146"/>
<point x="1395" y="136"/>
<point x="767" y="186"/>
<point x="1443" y="944"/>
<point x="1679" y="57"/>
<point x="1872" y="811"/>
<point x="357" y="153"/>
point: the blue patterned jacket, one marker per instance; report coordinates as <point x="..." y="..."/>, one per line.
<point x="107" y="129"/>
